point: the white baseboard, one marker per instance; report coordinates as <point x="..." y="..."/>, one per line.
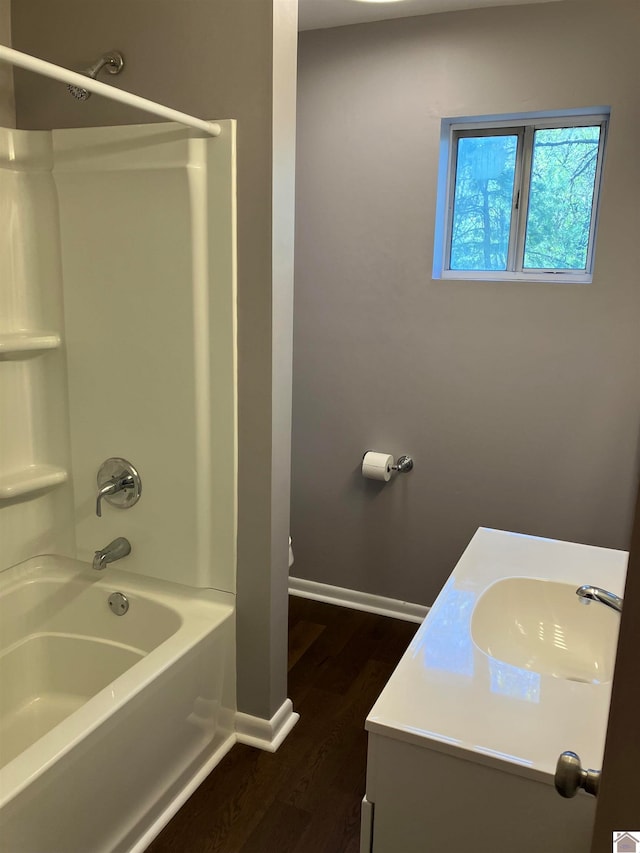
<point x="357" y="600"/>
<point x="266" y="734"/>
<point x="253" y="731"/>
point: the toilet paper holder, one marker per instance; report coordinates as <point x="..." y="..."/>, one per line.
<point x="403" y="465"/>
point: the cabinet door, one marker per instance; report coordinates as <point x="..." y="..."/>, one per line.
<point x="366" y="826"/>
<point x="428" y="802"/>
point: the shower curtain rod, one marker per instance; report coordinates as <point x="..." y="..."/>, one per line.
<point x="56" y="72"/>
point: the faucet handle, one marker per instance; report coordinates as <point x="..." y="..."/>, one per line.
<point x="109" y="488"/>
<point x="118" y="483"/>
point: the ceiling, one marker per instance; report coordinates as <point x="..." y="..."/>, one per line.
<point x="319" y="14"/>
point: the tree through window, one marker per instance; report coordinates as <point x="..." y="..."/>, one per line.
<point x="563" y="174"/>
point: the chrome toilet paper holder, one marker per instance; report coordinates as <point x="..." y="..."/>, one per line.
<point x="403" y="465"/>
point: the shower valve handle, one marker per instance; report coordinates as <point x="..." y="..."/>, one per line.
<point x="118" y="483"/>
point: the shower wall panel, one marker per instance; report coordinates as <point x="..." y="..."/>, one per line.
<point x="36" y="503"/>
<point x="148" y="247"/>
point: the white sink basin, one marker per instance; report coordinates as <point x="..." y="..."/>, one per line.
<point x="540" y="625"/>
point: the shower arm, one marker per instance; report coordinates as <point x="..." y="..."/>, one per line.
<point x="56" y="72"/>
<point x="97" y="67"/>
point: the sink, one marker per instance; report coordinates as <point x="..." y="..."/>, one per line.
<point x="474" y="705"/>
<point x="540" y="625"/>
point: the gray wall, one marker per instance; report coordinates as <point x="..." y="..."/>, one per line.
<point x="7" y="107"/>
<point x="215" y="60"/>
<point x="519" y="402"/>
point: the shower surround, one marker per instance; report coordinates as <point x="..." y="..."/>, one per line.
<point x="117" y="338"/>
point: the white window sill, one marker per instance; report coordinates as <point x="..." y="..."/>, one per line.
<point x="539" y="277"/>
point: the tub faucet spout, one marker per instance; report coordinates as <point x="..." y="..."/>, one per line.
<point x="115" y="550"/>
<point x="588" y="593"/>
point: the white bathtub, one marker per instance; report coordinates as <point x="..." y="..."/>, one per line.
<point x="106" y="722"/>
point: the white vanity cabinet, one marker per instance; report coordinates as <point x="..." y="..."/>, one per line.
<point x="463" y="744"/>
<point x="425" y="801"/>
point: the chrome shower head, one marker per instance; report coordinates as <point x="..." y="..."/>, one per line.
<point x="112" y="61"/>
<point x="78" y="92"/>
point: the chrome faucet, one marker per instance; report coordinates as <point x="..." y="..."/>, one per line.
<point x="119" y="483"/>
<point x="115" y="550"/>
<point x="588" y="593"/>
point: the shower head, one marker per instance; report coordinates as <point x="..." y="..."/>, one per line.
<point x="78" y="92"/>
<point x="112" y="61"/>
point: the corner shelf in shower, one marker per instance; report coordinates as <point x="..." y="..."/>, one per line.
<point x="31" y="479"/>
<point x="23" y="344"/>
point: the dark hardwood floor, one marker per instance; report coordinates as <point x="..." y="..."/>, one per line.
<point x="306" y="797"/>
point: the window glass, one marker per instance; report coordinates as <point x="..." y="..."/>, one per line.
<point x="563" y="173"/>
<point x="483" y="197"/>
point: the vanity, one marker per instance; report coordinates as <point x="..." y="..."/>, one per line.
<point x="508" y="670"/>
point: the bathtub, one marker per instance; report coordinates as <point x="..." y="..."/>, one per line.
<point x="107" y="722"/>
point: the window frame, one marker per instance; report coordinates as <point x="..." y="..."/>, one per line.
<point x="524" y="127"/>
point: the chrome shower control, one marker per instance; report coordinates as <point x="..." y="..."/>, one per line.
<point x="119" y="484"/>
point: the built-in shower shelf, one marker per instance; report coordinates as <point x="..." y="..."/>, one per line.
<point x="34" y="478"/>
<point x="19" y="344"/>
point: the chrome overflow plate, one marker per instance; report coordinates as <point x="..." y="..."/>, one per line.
<point x="118" y="603"/>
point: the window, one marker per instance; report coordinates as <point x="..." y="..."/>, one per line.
<point x="518" y="198"/>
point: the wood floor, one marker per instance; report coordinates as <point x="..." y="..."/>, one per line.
<point x="306" y="797"/>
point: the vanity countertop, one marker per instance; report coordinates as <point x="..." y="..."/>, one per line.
<point x="448" y="695"/>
